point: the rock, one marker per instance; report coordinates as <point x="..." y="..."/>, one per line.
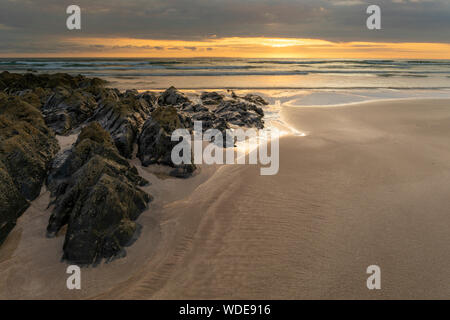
<point x="149" y="97"/>
<point x="155" y="145"/>
<point x="211" y="98"/>
<point x="26" y="148"/>
<point x="97" y="195"/>
<point x="216" y="112"/>
<point x="27" y="145"/>
<point x="241" y="114"/>
<point x="66" y="101"/>
<point x="31" y="98"/>
<point x="17" y="82"/>
<point x="66" y="109"/>
<point x="253" y="98"/>
<point x="123" y="117"/>
<point x="95" y="191"/>
<point x="13" y="203"/>
<point x="172" y="97"/>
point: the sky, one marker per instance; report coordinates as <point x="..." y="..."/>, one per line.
<point x="226" y="28"/>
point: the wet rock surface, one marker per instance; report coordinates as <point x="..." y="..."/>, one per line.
<point x="217" y="111"/>
<point x="177" y="111"/>
<point x="172" y="97"/>
<point x="97" y="196"/>
<point x="123" y="115"/>
<point x="27" y="147"/>
<point x="155" y="141"/>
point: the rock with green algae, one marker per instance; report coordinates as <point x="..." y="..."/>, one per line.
<point x="27" y="147"/>
<point x="37" y="97"/>
<point x="97" y="195"/>
<point x="68" y="108"/>
<point x="13" y="203"/>
<point x="155" y="143"/>
<point x="66" y="101"/>
<point x="14" y="82"/>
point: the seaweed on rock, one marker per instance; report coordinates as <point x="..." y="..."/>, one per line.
<point x="97" y="196"/>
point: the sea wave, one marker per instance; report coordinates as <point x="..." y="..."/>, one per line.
<point x="414" y="73"/>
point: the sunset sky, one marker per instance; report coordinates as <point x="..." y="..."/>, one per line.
<point x="226" y="28"/>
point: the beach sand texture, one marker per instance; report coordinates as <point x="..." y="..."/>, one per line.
<point x="368" y="185"/>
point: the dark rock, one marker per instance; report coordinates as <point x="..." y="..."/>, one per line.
<point x="216" y="112"/>
<point x="211" y="98"/>
<point x="123" y="117"/>
<point x="241" y="114"/>
<point x="66" y="109"/>
<point x="66" y="101"/>
<point x="26" y="149"/>
<point x="253" y="98"/>
<point x="172" y="97"/>
<point x="17" y="82"/>
<point x="97" y="195"/>
<point x="155" y="144"/>
<point x="13" y="203"/>
<point x="27" y="145"/>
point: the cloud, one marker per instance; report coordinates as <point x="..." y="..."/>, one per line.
<point x="42" y="23"/>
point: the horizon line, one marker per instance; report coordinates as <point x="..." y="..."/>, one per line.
<point x="216" y="57"/>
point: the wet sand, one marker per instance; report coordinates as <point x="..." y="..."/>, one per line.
<point x="368" y="185"/>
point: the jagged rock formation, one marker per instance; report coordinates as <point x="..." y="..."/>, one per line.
<point x="216" y="111"/>
<point x="123" y="115"/>
<point x="155" y="144"/>
<point x="94" y="189"/>
<point x="211" y="98"/>
<point x="97" y="195"/>
<point x="255" y="99"/>
<point x="172" y="97"/>
<point x="27" y="146"/>
<point x="176" y="111"/>
<point x="68" y="102"/>
<point x="67" y="108"/>
<point x="65" y="101"/>
<point x="241" y="114"/>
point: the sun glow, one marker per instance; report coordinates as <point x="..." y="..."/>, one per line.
<point x="248" y="47"/>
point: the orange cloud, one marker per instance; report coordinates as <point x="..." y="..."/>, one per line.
<point x="252" y="47"/>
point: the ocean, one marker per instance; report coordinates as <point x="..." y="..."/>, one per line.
<point x="312" y="81"/>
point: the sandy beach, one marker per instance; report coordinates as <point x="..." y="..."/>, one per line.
<point x="367" y="185"/>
